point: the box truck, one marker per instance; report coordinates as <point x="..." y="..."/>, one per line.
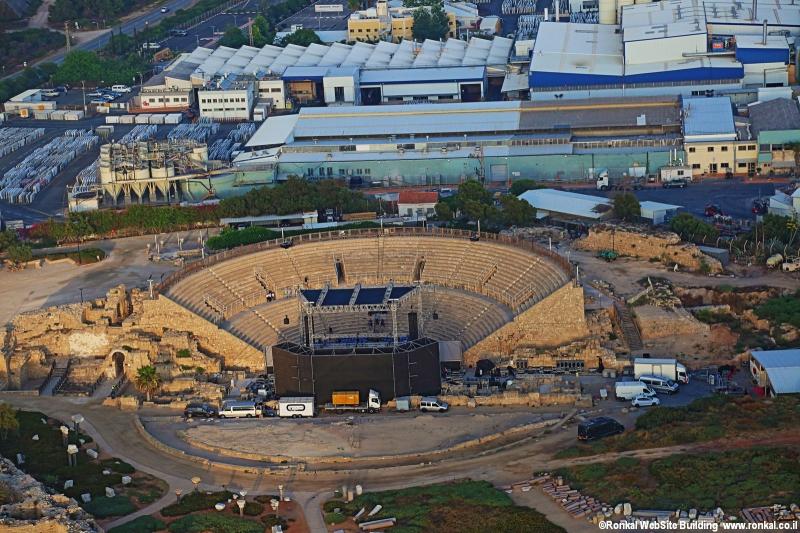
<point x="296" y="407"/>
<point x="350" y="401"/>
<point x="628" y="390"/>
<point x="667" y="368"/>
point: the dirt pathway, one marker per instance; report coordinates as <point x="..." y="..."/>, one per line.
<point x="39" y="19"/>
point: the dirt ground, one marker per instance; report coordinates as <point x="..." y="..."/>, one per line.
<point x="61" y="283"/>
<point x="363" y="436"/>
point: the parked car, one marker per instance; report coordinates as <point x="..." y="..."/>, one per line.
<point x="97" y="92"/>
<point x="178" y="32"/>
<point x="597" y="428"/>
<point x="434" y="405"/>
<point x="645" y="401"/>
<point x="120" y="89"/>
<point x="239" y="410"/>
<point x="712" y="210"/>
<point x="165" y="10"/>
<point x="659" y="383"/>
<point x="760" y="206"/>
<point x="98" y="101"/>
<point x="51" y="92"/>
<point x="200" y="410"/>
<point x="676" y="184"/>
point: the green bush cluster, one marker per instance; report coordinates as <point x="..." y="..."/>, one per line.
<point x="16" y="47"/>
<point x="690" y="227"/>
<point x="196" y="501"/>
<point x="218" y="523"/>
<point x="730" y="479"/>
<point x="231" y="238"/>
<point x="104" y="507"/>
<point x="782" y="310"/>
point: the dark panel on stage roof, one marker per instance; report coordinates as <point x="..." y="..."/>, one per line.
<point x="338" y="297"/>
<point x="370" y="296"/>
<point x="399" y="292"/>
<point x="312" y="295"/>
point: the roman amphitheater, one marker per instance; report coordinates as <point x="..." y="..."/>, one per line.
<point x="488" y="296"/>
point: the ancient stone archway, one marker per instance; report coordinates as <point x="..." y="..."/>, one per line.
<point x="118" y="359"/>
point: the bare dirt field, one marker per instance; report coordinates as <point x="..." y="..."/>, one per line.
<point x="362" y="436"/>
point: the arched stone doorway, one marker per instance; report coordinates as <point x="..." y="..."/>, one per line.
<point x="118" y="359"/>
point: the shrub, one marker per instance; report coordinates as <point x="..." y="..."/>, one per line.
<point x="334" y="518"/>
<point x="330" y="505"/>
<point x="253" y="508"/>
<point x="274" y="520"/>
<point x="196" y="501"/>
<point x="119" y="466"/>
<point x="265" y="498"/>
<point x="143" y="524"/>
<point x="218" y="523"/>
<point x="103" y="507"/>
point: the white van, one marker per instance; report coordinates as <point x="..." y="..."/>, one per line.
<point x="433" y="404"/>
<point x="660" y="384"/>
<point x="628" y="390"/>
<point x="120" y="88"/>
<point x="239" y="410"/>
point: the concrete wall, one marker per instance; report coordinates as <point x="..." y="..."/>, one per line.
<point x="556" y="320"/>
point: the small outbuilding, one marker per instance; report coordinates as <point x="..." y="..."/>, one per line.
<point x="552" y="202"/>
<point x="657" y="213"/>
<point x="776" y="371"/>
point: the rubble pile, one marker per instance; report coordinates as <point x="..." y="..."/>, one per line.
<point x="659" y="293"/>
<point x="31" y="508"/>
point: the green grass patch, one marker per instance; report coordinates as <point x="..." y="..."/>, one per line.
<point x="196" y="501"/>
<point x="782" y="310"/>
<point x="465" y="506"/>
<point x="703" y="420"/>
<point x="731" y="480"/>
<point x="334" y="518"/>
<point x="216" y="523"/>
<point x="143" y="524"/>
<point x="103" y="507"/>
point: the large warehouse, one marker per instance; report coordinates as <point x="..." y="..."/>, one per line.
<point x="491" y="141"/>
<point x="686" y="47"/>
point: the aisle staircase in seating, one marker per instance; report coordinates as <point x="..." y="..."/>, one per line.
<point x="629" y="329"/>
<point x="57" y="377"/>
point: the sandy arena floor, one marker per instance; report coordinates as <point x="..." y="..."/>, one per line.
<point x="361" y="436"/>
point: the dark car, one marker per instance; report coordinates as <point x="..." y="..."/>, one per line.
<point x="760" y="207"/>
<point x="287" y="244"/>
<point x="712" y="210"/>
<point x="676" y="184"/>
<point x="200" y="410"/>
<point x="597" y="428"/>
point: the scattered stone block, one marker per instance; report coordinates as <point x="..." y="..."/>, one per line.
<point x="86" y="498"/>
<point x="93" y="454"/>
<point x="126" y="480"/>
<point x="692" y="514"/>
<point x="20" y="459"/>
<point x="68" y="484"/>
<point x="110" y="492"/>
<point x="106" y="472"/>
<point x="618" y="509"/>
<point x="35" y="437"/>
<point x="627" y="509"/>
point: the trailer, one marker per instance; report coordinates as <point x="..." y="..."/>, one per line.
<point x="350" y="401"/>
<point x="296" y="407"/>
<point x="666" y="368"/>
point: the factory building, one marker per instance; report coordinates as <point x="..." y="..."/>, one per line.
<point x="680" y="47"/>
<point x="249" y="82"/>
<point x="391" y="21"/>
<point x="429" y="144"/>
<point x="775" y="126"/>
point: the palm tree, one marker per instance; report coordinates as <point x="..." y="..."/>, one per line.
<point x="147" y="380"/>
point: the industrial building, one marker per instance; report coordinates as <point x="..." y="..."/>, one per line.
<point x="565" y="204"/>
<point x="389" y="20"/>
<point x="686" y="47"/>
<point x="252" y="81"/>
<point x="776" y="371"/>
<point x="490" y="141"/>
<point x="775" y="127"/>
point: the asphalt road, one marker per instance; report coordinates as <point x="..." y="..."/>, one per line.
<point x="735" y="197"/>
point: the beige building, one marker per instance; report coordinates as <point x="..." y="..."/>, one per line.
<point x="389" y="23"/>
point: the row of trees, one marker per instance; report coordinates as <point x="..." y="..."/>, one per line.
<point x="91" y="10"/>
<point x="17" y="47"/>
<point x="297" y="195"/>
<point x="13" y="248"/>
<point x="262" y="32"/>
<point x="81" y="65"/>
<point x="474" y="203"/>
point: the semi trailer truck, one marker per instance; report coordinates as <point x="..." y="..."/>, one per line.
<point x="666" y="368"/>
<point x="350" y="401"/>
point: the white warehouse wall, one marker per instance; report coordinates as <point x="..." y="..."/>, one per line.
<point x="666" y="49"/>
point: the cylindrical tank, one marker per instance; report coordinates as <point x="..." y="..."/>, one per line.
<point x="607" y="12"/>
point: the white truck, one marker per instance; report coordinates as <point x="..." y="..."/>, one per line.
<point x="350" y="401"/>
<point x="296" y="407"/>
<point x="666" y="368"/>
<point x="625" y="182"/>
<point x="628" y="390"/>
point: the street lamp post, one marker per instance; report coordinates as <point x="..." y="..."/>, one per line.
<point x="78" y="420"/>
<point x="83" y="90"/>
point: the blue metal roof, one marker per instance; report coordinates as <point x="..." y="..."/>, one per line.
<point x="708" y="117"/>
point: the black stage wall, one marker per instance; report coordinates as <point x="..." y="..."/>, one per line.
<point x="411" y="368"/>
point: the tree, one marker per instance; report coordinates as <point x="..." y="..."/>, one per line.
<point x="262" y="34"/>
<point x="520" y="186"/>
<point x="8" y="420"/>
<point x="516" y="212"/>
<point x="302" y="37"/>
<point x="354" y="5"/>
<point x="430" y="23"/>
<point x="626" y="207"/>
<point x="147" y="380"/>
<point x="233" y="37"/>
<point x="443" y="211"/>
<point x="692" y="228"/>
<point x="20" y="253"/>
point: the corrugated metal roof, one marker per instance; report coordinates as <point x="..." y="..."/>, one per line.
<point x="647" y="205"/>
<point x="708" y="118"/>
<point x="567" y="203"/>
<point x="417" y="75"/>
<point x="774" y="115"/>
<point x="782" y="367"/>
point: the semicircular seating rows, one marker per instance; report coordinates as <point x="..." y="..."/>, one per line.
<point x="473" y="287"/>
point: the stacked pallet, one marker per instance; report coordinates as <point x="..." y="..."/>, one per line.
<point x="773" y="513"/>
<point x="573" y="502"/>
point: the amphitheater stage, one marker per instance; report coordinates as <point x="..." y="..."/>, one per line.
<point x="411" y="368"/>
